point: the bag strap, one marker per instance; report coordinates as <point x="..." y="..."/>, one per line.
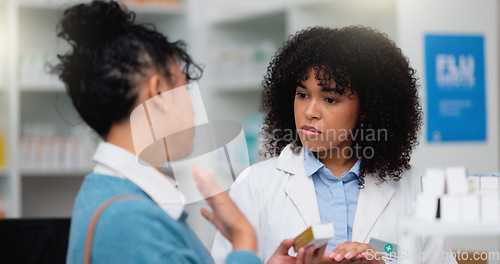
<point x="93" y="222"/>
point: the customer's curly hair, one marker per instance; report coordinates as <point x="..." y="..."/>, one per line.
<point x="357" y="59"/>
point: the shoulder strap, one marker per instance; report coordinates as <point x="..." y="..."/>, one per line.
<point x="93" y="222"/>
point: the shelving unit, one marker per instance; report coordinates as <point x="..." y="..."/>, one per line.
<point x="232" y="28"/>
<point x="38" y="109"/>
<point x="3" y="101"/>
<point x="3" y="49"/>
<point x="380" y="15"/>
<point x="244" y="48"/>
<point x="160" y="9"/>
<point x="45" y="114"/>
<point x="414" y="227"/>
<point x="411" y="231"/>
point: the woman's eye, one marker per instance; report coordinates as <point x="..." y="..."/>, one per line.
<point x="330" y="100"/>
<point x="301" y="95"/>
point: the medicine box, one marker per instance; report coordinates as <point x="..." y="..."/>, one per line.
<point x="316" y="235"/>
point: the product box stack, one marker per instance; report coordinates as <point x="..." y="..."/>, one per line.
<point x="453" y="196"/>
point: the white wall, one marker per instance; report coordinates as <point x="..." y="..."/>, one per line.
<point x="461" y="17"/>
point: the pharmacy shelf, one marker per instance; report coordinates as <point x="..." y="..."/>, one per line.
<point x="34" y="99"/>
<point x="156" y="8"/>
<point x="43" y="88"/>
<point x="138" y="7"/>
<point x="411" y="232"/>
<point x="56" y="172"/>
<point x="230" y="12"/>
<point x="49" y="196"/>
<point x="414" y="227"/>
<point x="245" y="15"/>
<point x="42" y="5"/>
<point x="240" y="87"/>
<point x="242" y="51"/>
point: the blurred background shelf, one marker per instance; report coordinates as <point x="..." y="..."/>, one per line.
<point x="56" y="172"/>
<point x="37" y="116"/>
<point x="463" y="237"/>
<point x="450" y="229"/>
<point x="249" y="87"/>
<point x="55" y="88"/>
<point x="142" y="7"/>
<point x="236" y="12"/>
<point x="49" y="196"/>
<point x="161" y="9"/>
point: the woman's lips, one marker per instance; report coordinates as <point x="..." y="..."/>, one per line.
<point x="310" y="131"/>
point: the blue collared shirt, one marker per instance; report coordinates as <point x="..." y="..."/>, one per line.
<point x="337" y="197"/>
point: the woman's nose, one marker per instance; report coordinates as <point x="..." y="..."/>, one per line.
<point x="312" y="110"/>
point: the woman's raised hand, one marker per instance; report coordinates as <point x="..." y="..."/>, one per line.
<point x="225" y="215"/>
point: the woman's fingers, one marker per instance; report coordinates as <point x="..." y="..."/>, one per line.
<point x="318" y="254"/>
<point x="356" y="249"/>
<point x="225" y="215"/>
<point x="349" y="250"/>
<point x="208" y="215"/>
<point x="300" y="256"/>
<point x="206" y="183"/>
<point x="284" y="246"/>
<point x="308" y="257"/>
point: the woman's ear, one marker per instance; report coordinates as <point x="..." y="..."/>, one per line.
<point x="154" y="86"/>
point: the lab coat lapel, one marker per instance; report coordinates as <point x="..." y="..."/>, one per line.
<point x="300" y="189"/>
<point x="371" y="203"/>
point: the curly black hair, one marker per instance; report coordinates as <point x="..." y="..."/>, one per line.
<point x="358" y="59"/>
<point x="109" y="55"/>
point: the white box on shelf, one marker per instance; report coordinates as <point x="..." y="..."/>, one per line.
<point x="46" y="154"/>
<point x="450" y="208"/>
<point x="22" y="157"/>
<point x="456" y="180"/>
<point x="470" y="208"/>
<point x="490" y="207"/>
<point x="426" y="207"/>
<point x="56" y="152"/>
<point x="489" y="183"/>
<point x="433" y="182"/>
<point x="73" y="153"/>
<point x="474" y="183"/>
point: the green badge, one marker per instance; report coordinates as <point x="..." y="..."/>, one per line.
<point x="388" y="248"/>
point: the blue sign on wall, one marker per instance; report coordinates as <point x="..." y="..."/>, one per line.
<point x="456" y="107"/>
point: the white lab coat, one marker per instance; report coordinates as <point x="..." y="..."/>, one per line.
<point x="279" y="200"/>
